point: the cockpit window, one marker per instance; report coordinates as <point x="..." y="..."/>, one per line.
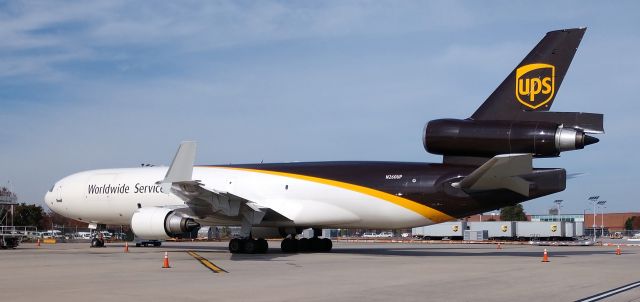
<point x="51" y="190"/>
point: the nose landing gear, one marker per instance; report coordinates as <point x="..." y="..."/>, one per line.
<point x="97" y="241"/>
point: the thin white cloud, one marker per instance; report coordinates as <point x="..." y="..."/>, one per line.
<point x="52" y="31"/>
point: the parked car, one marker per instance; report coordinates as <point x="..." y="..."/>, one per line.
<point x="34" y="235"/>
<point x="82" y="235"/>
<point x="106" y="235"/>
<point x="385" y="235"/>
<point x="119" y="236"/>
<point x="370" y="235"/>
<point x="52" y="234"/>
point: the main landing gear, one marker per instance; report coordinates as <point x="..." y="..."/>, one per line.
<point x="305" y="245"/>
<point x="248" y="246"/>
<point x="289" y="245"/>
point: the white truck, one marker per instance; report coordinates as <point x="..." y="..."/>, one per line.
<point x="450" y="230"/>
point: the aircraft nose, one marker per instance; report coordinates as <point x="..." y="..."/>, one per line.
<point x="50" y="198"/>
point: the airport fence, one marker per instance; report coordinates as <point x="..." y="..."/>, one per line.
<point x="78" y="234"/>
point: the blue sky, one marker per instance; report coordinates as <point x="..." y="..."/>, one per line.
<point x="86" y="85"/>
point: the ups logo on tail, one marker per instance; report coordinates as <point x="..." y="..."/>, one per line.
<point x="535" y="84"/>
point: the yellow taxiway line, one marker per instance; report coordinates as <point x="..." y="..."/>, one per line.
<point x="214" y="268"/>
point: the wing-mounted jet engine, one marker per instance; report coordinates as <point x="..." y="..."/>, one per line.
<point x="160" y="223"/>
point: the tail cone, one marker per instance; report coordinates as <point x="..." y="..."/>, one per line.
<point x="589" y="140"/>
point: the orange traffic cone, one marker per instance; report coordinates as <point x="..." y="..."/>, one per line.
<point x="545" y="257"/>
<point x="126" y="247"/>
<point x="38" y="242"/>
<point x="618" y="251"/>
<point x="165" y="264"/>
<point x="499" y="247"/>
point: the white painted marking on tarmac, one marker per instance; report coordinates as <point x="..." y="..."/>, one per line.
<point x="610" y="293"/>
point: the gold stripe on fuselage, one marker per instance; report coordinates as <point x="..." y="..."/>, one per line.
<point x="429" y="213"/>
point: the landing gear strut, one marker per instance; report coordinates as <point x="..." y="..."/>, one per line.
<point x="97" y="238"/>
<point x="248" y="246"/>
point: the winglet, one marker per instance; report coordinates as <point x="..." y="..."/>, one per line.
<point x="181" y="168"/>
<point x="500" y="172"/>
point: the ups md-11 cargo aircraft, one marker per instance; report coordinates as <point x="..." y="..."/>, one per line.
<point x="487" y="164"/>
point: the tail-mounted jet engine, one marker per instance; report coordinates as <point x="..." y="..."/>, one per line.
<point x="489" y="138"/>
<point x="160" y="223"/>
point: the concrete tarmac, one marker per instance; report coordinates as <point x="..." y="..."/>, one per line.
<point x="351" y="272"/>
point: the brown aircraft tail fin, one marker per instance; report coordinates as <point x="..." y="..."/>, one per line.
<point x="534" y="83"/>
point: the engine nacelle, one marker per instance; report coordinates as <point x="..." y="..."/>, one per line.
<point x="490" y="138"/>
<point x="160" y="223"/>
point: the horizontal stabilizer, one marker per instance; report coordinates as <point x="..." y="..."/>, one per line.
<point x="587" y="122"/>
<point x="500" y="172"/>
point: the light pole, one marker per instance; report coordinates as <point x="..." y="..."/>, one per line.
<point x="601" y="204"/>
<point x="594" y="200"/>
<point x="584" y="220"/>
<point x="558" y="202"/>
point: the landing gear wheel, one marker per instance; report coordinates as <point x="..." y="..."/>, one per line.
<point x="235" y="246"/>
<point x="317" y="245"/>
<point x="327" y="245"/>
<point x="304" y="245"/>
<point x="263" y="246"/>
<point x="250" y="246"/>
<point x="157" y="244"/>
<point x="289" y="245"/>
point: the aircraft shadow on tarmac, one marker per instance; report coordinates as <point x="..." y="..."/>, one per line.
<point x="448" y="252"/>
<point x="275" y="253"/>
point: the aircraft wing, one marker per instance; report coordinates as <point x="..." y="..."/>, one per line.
<point x="205" y="202"/>
<point x="500" y="172"/>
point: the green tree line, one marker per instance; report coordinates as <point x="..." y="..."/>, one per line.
<point x="34" y="215"/>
